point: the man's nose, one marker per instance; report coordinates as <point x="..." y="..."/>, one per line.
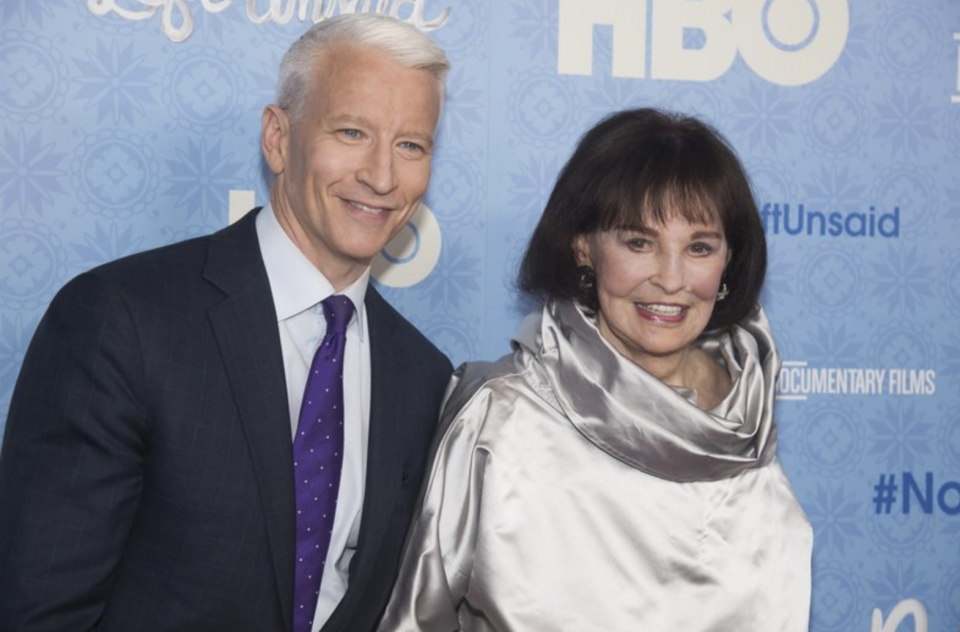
<point x="378" y="169"/>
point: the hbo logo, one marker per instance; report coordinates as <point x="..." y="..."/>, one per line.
<point x="787" y="42"/>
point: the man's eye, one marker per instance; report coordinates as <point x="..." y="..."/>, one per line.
<point x="351" y="133"/>
<point x="411" y="147"/>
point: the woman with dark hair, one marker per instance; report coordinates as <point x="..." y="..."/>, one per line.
<point x="617" y="471"/>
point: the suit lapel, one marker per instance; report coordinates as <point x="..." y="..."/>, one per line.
<point x="245" y="325"/>
<point x="383" y="448"/>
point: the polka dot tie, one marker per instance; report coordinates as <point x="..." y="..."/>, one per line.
<point x="318" y="459"/>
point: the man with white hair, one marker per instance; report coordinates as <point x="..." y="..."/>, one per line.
<point x="229" y="433"/>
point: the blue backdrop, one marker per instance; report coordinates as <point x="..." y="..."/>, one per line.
<point x="127" y="124"/>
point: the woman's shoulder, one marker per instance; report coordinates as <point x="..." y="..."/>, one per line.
<point x="479" y="380"/>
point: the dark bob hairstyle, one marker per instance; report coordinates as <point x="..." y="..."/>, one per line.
<point x="641" y="167"/>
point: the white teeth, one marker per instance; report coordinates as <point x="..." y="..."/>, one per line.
<point x="663" y="310"/>
<point x="366" y="209"/>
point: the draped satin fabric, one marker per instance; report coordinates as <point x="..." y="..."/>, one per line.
<point x="571" y="490"/>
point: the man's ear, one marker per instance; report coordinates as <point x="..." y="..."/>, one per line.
<point x="581" y="248"/>
<point x="275" y="138"/>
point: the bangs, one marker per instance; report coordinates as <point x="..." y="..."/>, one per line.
<point x="660" y="186"/>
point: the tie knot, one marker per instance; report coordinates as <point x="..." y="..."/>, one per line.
<point x="337" y="309"/>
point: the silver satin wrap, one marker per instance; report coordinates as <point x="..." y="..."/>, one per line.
<point x="571" y="490"/>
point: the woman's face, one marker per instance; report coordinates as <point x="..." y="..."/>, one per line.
<point x="656" y="288"/>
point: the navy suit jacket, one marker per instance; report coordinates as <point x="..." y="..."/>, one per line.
<point x="146" y="477"/>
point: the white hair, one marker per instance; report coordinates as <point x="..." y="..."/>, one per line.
<point x="402" y="42"/>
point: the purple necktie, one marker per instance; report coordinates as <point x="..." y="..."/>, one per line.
<point x="318" y="458"/>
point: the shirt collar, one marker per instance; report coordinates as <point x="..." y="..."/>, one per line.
<point x="295" y="282"/>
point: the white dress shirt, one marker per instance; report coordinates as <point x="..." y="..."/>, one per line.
<point x="298" y="287"/>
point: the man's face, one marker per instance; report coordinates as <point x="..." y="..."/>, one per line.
<point x="353" y="170"/>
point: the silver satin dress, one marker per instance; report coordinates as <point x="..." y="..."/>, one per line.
<point x="571" y="490"/>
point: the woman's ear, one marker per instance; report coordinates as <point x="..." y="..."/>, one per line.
<point x="582" y="251"/>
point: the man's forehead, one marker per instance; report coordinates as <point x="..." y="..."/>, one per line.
<point x="349" y="70"/>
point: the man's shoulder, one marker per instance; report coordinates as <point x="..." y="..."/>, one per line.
<point x="401" y="332"/>
<point x="159" y="260"/>
<point x="169" y="276"/>
<point x="182" y="262"/>
<point x="186" y="255"/>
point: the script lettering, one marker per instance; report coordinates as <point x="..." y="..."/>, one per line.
<point x="904" y="609"/>
<point x="177" y="20"/>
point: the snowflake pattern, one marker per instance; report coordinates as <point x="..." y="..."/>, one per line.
<point x="263" y="86"/>
<point x="833" y="346"/>
<point x="530" y="185"/>
<point x="115" y="81"/>
<point x="608" y="93"/>
<point x="903" y="281"/>
<point x="905" y="122"/>
<point x="898" y="579"/>
<point x="535" y="26"/>
<point x="902" y="436"/>
<point x="26" y="12"/>
<point x="455" y="277"/>
<point x="463" y="111"/>
<point x="106" y="243"/>
<point x="201" y="177"/>
<point x="856" y="47"/>
<point x="765" y="115"/>
<point x="834" y="189"/>
<point x="836" y="517"/>
<point x="30" y="172"/>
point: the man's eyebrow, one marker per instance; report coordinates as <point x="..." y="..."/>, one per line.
<point x="360" y="121"/>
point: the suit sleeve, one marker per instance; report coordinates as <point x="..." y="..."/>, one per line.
<point x="438" y="557"/>
<point x="71" y="469"/>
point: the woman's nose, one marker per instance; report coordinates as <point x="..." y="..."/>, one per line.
<point x="669" y="273"/>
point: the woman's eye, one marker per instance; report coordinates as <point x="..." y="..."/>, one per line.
<point x="701" y="248"/>
<point x="638" y="243"/>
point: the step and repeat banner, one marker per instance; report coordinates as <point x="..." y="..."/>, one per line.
<point x="128" y="124"/>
